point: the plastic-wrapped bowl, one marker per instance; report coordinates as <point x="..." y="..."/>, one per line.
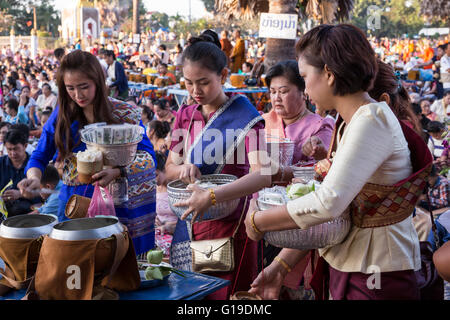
<point x="319" y="236"/>
<point x="116" y="155"/>
<point x="323" y="235"/>
<point x="306" y="173"/>
<point x="177" y="192"/>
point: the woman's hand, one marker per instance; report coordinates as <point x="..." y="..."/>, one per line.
<point x="29" y="187"/>
<point x="198" y="203"/>
<point x="268" y="286"/>
<point x="105" y="176"/>
<point x="189" y="173"/>
<point x="22" y="99"/>
<point x="314" y="148"/>
<point x="11" y="195"/>
<point x="251" y="232"/>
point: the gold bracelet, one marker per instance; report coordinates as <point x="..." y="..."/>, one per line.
<point x="213" y="196"/>
<point x="252" y="219"/>
<point x="283" y="263"/>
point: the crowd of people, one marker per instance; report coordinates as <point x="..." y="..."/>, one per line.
<point x="360" y="113"/>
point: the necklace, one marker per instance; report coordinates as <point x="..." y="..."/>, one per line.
<point x="300" y="116"/>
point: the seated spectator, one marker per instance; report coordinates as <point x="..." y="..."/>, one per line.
<point x="163" y="111"/>
<point x="43" y="119"/>
<point x="29" y="105"/>
<point x="14" y="114"/>
<point x="147" y="115"/>
<point x="50" y="180"/>
<point x="442" y="107"/>
<point x="35" y="91"/>
<point x="247" y="67"/>
<point x="425" y="105"/>
<point x="26" y="131"/>
<point x="46" y="99"/>
<point x="435" y="140"/>
<point x="157" y="133"/>
<point x="163" y="72"/>
<point x="438" y="193"/>
<point x="12" y="167"/>
<point x="4" y="127"/>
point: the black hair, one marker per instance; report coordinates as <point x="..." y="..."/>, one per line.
<point x="15" y="136"/>
<point x="162" y="103"/>
<point x="162" y="128"/>
<point x="11" y="81"/>
<point x="207" y="50"/>
<point x="47" y="85"/>
<point x="161" y="159"/>
<point x="47" y="112"/>
<point x="59" y="53"/>
<point x="110" y="53"/>
<point x="434" y="172"/>
<point x="435" y="126"/>
<point x="148" y="112"/>
<point x="50" y="175"/>
<point x="287" y="69"/>
<point x="21" y="127"/>
<point x="446" y="92"/>
<point x="163" y="46"/>
<point x="416" y="108"/>
<point x="5" y="124"/>
<point x="13" y="104"/>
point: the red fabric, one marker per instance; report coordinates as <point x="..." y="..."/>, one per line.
<point x="396" y="285"/>
<point x="248" y="272"/>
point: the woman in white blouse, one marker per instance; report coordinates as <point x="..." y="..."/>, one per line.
<point x="371" y="147"/>
<point x="46" y="99"/>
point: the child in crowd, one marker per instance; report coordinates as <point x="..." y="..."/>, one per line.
<point x="166" y="220"/>
<point x="435" y="141"/>
<point x="51" y="181"/>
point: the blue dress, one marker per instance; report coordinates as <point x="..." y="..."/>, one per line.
<point x="139" y="212"/>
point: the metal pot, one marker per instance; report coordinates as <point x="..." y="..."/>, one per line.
<point x="100" y="227"/>
<point x="116" y="154"/>
<point x="29" y="226"/>
<point x="177" y="192"/>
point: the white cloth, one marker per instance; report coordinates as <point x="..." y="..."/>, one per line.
<point x="372" y="149"/>
<point x="445" y="65"/>
<point x="435" y="146"/>
<point x="111" y="73"/>
<point x="42" y="102"/>
<point x="439" y="108"/>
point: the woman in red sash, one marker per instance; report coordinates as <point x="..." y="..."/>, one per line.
<point x="378" y="169"/>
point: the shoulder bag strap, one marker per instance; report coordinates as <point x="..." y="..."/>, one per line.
<point x="240" y="219"/>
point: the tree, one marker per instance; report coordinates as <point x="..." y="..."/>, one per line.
<point x="136" y="16"/>
<point x="396" y="18"/>
<point x="48" y="19"/>
<point x="436" y="10"/>
<point x="323" y="11"/>
<point x="210" y="6"/>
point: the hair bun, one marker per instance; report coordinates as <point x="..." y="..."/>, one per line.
<point x="206" y="36"/>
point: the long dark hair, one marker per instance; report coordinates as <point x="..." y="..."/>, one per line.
<point x="69" y="111"/>
<point x="400" y="103"/>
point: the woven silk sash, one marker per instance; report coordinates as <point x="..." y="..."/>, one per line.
<point x="379" y="205"/>
<point x="226" y="129"/>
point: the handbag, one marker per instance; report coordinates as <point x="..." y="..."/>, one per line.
<point x="215" y="255"/>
